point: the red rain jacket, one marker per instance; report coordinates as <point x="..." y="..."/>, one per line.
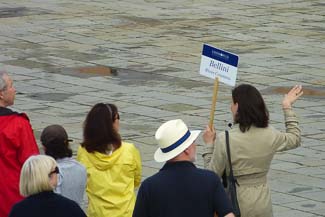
<point x="17" y="143"/>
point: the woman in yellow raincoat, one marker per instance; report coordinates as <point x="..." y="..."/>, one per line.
<point x="113" y="167"/>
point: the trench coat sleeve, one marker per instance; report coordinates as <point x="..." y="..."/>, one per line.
<point x="292" y="137"/>
<point x="214" y="155"/>
<point x="138" y="169"/>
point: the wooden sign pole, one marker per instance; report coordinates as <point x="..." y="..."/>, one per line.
<point x="214" y="101"/>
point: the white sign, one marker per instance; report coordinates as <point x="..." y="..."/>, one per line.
<point x="219" y="63"/>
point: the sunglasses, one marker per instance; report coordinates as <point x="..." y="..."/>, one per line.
<point x="56" y="170"/>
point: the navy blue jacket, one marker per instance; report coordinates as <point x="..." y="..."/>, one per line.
<point x="47" y="204"/>
<point x="180" y="189"/>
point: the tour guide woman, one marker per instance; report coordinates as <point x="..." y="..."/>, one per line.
<point x="253" y="144"/>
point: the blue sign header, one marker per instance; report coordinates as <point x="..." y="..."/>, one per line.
<point x="220" y="55"/>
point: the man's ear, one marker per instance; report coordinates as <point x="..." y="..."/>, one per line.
<point x="186" y="151"/>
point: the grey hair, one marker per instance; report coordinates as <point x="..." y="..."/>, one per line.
<point x="3" y="84"/>
<point x="34" y="175"/>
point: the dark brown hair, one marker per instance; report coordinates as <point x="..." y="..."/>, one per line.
<point x="55" y="140"/>
<point x="99" y="133"/>
<point x="58" y="150"/>
<point x="251" y="107"/>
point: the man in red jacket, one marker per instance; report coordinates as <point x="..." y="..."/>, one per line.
<point x="17" y="143"/>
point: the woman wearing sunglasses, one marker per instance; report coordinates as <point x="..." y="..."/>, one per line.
<point x="113" y="166"/>
<point x="38" y="178"/>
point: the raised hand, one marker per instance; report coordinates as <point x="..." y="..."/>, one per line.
<point x="209" y="135"/>
<point x="292" y="96"/>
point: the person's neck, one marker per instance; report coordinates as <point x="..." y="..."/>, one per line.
<point x="180" y="158"/>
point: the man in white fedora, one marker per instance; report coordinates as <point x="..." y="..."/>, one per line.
<point x="179" y="188"/>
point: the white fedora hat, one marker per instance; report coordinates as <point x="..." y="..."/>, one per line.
<point x="173" y="138"/>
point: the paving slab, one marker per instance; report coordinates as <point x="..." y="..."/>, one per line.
<point x="154" y="49"/>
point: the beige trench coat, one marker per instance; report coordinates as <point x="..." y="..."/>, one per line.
<point x="251" y="155"/>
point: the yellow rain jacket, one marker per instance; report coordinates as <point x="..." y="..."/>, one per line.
<point x="111" y="180"/>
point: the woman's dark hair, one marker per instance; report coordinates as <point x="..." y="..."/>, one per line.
<point x="251" y="107"/>
<point x="58" y="150"/>
<point x="99" y="133"/>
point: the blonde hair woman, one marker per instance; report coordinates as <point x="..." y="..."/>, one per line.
<point x="38" y="178"/>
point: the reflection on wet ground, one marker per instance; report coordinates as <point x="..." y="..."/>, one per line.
<point x="7" y="12"/>
<point x="98" y="70"/>
<point x="56" y="97"/>
<point x="309" y="91"/>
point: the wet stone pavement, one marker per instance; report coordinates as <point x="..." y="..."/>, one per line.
<point x="144" y="56"/>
